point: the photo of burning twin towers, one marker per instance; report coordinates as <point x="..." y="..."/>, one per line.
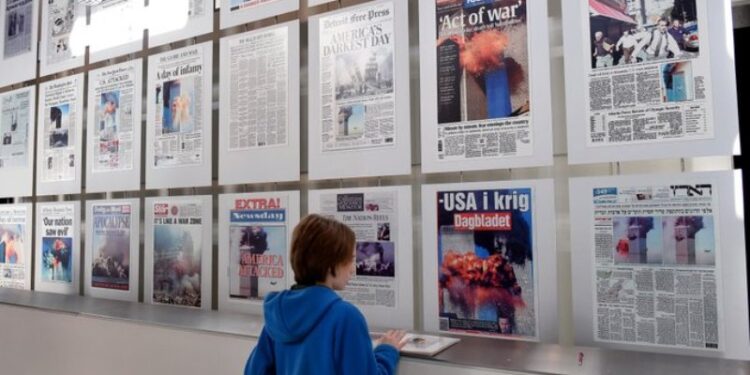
<point x="482" y="60"/>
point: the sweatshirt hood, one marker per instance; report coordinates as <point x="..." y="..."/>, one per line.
<point x="291" y="314"/>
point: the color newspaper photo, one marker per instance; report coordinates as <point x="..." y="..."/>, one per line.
<point x="630" y="32"/>
<point x="486" y="262"/>
<point x="110" y="268"/>
<point x="11" y="244"/>
<point x="57" y="253"/>
<point x="108" y="121"/>
<point x="482" y="60"/>
<point x="177" y="265"/>
<point x="376" y="259"/>
<point x="58" y="123"/>
<point x="178" y="105"/>
<point x="257" y="260"/>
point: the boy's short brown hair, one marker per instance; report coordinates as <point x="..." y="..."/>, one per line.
<point x="319" y="244"/>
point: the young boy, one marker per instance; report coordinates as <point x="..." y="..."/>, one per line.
<point x="310" y="329"/>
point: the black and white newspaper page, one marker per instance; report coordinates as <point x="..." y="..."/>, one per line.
<point x="179" y="118"/>
<point x="19" y="20"/>
<point x="657" y="280"/>
<point x="356" y="79"/>
<point x="112" y="92"/>
<point x="14" y="128"/>
<point x="13" y="245"/>
<point x="373" y="218"/>
<point x="62" y="17"/>
<point x="60" y="119"/>
<point x="649" y="74"/>
<point x="259" y="90"/>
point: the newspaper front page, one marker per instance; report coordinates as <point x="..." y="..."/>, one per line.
<point x="106" y="19"/>
<point x="486" y="254"/>
<point x="373" y="216"/>
<point x="358" y="100"/>
<point x="649" y="79"/>
<point x="59" y="249"/>
<point x="112" y="93"/>
<point x="19" y="20"/>
<point x="657" y="280"/>
<point x="483" y="95"/>
<point x="61" y="17"/>
<point x="179" y="120"/>
<point x="257" y="247"/>
<point x="178" y="251"/>
<point x="13" y="247"/>
<point x="14" y="128"/>
<point x="259" y="90"/>
<point x="110" y="261"/>
<point x="60" y="101"/>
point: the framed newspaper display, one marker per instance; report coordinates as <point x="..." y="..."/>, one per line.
<point x="178" y="251"/>
<point x="649" y="80"/>
<point x="116" y="28"/>
<point x="15" y="246"/>
<point x="170" y="21"/>
<point x="262" y="123"/>
<point x="489" y="260"/>
<point x="383" y="286"/>
<point x="59" y="137"/>
<point x="58" y="247"/>
<point x="359" y="119"/>
<point x="19" y="42"/>
<point x="179" y="122"/>
<point x="238" y="12"/>
<point x="112" y="249"/>
<point x="64" y="36"/>
<point x="659" y="263"/>
<point x="16" y="151"/>
<point x="255" y="236"/>
<point x="484" y="76"/>
<point x="114" y="118"/>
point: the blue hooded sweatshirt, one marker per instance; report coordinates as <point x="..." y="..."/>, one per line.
<point x="313" y="331"/>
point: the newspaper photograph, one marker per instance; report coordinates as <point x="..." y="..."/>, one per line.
<point x="110" y="264"/>
<point x="19" y="21"/>
<point x="178" y="241"/>
<point x="258" y="117"/>
<point x="657" y="280"/>
<point x="486" y="271"/>
<point x="358" y="100"/>
<point x="112" y="93"/>
<point x="58" y="161"/>
<point x="257" y="247"/>
<point x="649" y="79"/>
<point x="373" y="216"/>
<point x="236" y="5"/>
<point x="58" y="235"/>
<point x="61" y="17"/>
<point x="482" y="82"/>
<point x="179" y="120"/>
<point x="13" y="245"/>
<point x="14" y="128"/>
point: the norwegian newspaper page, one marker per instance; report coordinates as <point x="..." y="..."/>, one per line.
<point x="356" y="79"/>
<point x="112" y="93"/>
<point x="483" y="95"/>
<point x="259" y="90"/>
<point x="179" y="121"/>
<point x="657" y="279"/>
<point x="649" y="75"/>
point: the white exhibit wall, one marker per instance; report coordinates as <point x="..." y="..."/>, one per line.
<point x="135" y="348"/>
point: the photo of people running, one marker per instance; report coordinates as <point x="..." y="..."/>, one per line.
<point x="637" y="31"/>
